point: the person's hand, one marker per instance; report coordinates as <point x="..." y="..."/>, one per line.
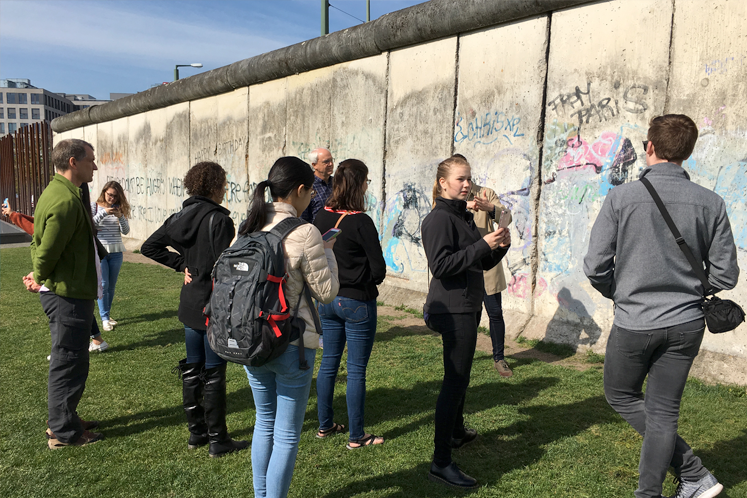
<point x="499" y="238"/>
<point x="30" y="284"/>
<point x="6" y="210"/>
<point x="330" y="243"/>
<point x="187" y="276"/>
<point x="482" y="204"/>
<point x="472" y="205"/>
<point x="114" y="211"/>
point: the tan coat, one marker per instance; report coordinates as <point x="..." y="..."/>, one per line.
<point x="305" y="259"/>
<point x="495" y="281"/>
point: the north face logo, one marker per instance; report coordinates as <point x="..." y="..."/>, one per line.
<point x="241" y="266"/>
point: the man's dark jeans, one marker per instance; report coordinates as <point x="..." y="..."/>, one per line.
<point x="459" y="334"/>
<point x="665" y="355"/>
<point x="70" y="326"/>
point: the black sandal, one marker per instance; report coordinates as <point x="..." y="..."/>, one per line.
<point x="335" y="429"/>
<point x="367" y="440"/>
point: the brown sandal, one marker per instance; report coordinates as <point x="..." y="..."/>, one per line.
<point x="335" y="429"/>
<point x="367" y="440"/>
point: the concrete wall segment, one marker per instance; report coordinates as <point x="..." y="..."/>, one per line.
<point x="708" y="82"/>
<point x="419" y="130"/>
<point x="499" y="107"/>
<point x="267" y="123"/>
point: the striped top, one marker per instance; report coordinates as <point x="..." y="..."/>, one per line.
<point x="110" y="228"/>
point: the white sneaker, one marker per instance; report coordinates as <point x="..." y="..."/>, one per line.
<point x="113" y="323"/>
<point x="107" y="325"/>
<point x="98" y="347"/>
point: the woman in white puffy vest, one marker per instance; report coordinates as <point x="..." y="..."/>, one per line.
<point x="280" y="388"/>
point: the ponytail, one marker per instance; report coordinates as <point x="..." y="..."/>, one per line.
<point x="285" y="176"/>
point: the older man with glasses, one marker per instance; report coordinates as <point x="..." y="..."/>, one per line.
<point x="323" y="164"/>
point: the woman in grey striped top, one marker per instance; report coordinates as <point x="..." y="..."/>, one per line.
<point x="110" y="213"/>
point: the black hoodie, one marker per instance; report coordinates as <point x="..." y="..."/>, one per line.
<point x="457" y="256"/>
<point x="188" y="233"/>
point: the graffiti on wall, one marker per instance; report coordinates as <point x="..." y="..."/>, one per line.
<point x="584" y="106"/>
<point x="401" y="237"/>
<point x="486" y="128"/>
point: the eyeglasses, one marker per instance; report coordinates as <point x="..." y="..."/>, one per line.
<point x="645" y="144"/>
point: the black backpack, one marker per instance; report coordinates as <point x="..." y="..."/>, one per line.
<point x="248" y="317"/>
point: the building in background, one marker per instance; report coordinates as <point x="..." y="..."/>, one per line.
<point x="22" y="104"/>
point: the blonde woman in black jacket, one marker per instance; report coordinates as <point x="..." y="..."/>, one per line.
<point x="457" y="256"/>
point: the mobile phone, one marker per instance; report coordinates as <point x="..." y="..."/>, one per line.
<point x="331" y="234"/>
<point x="504" y="219"/>
<point x="115" y="206"/>
<point x="5" y="202"/>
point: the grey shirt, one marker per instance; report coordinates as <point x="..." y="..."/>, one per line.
<point x="634" y="260"/>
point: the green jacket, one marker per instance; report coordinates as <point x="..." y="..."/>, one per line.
<point x="62" y="250"/>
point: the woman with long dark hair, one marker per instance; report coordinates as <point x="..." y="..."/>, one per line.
<point x="457" y="256"/>
<point x="280" y="387"/>
<point x="199" y="233"/>
<point x="351" y="317"/>
<point x="110" y="213"/>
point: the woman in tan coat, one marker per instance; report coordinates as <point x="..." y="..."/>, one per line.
<point x="280" y="388"/>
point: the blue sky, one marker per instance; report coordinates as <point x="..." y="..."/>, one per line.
<point x="103" y="46"/>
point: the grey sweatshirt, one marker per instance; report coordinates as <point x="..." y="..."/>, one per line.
<point x="634" y="260"/>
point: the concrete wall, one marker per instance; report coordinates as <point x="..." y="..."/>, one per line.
<point x="550" y="110"/>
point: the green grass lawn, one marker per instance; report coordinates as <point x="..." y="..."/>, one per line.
<point x="547" y="431"/>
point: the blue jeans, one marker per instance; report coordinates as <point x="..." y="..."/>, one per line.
<point x="281" y="393"/>
<point x="354" y="321"/>
<point x="198" y="348"/>
<point x="110" y="267"/>
<point x="665" y="356"/>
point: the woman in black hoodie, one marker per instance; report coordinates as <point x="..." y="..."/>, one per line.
<point x="200" y="232"/>
<point x="457" y="256"/>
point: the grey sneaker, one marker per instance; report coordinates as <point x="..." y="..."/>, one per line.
<point x="503" y="368"/>
<point x="707" y="487"/>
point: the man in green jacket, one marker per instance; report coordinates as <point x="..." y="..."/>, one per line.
<point x="66" y="275"/>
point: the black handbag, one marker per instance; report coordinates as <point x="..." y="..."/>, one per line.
<point x="721" y="315"/>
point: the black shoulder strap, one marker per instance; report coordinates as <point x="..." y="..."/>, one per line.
<point x="286" y="226"/>
<point x="211" y="236"/>
<point x="697" y="268"/>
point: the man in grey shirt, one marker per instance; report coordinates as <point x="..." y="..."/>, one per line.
<point x="634" y="260"/>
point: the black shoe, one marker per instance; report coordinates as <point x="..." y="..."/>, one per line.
<point x="469" y="436"/>
<point x="215" y="414"/>
<point x="451" y="476"/>
<point x="218" y="450"/>
<point x="197" y="441"/>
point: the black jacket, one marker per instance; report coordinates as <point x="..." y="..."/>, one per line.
<point x="457" y="256"/>
<point x="188" y="232"/>
<point x="360" y="261"/>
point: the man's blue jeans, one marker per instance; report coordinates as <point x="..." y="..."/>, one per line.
<point x="281" y="393"/>
<point x="352" y="321"/>
<point x="665" y="356"/>
<point x="110" y="267"/>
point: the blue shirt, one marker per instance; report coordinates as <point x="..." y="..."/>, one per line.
<point x="322" y="191"/>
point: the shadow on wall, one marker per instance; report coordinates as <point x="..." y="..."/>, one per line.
<point x="584" y="331"/>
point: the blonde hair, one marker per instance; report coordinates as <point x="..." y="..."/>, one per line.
<point x="443" y="172"/>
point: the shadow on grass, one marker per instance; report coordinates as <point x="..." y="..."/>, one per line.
<point x="727" y="460"/>
<point x="516" y="446"/>
<point x="239" y="401"/>
<point x="398" y="331"/>
<point x="148" y="317"/>
<point x="160" y="338"/>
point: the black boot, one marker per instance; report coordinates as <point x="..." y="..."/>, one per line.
<point x="215" y="414"/>
<point x="192" y="393"/>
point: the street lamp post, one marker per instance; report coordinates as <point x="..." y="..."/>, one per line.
<point x="176" y="68"/>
